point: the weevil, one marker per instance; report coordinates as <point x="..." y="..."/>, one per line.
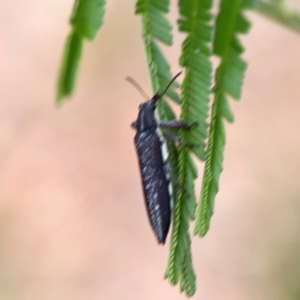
<point x="152" y="154"/>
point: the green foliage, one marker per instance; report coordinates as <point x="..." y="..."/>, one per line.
<point x="196" y="21"/>
<point x="195" y="58"/>
<point x="87" y="18"/>
<point x="228" y="81"/>
<point x="280" y="12"/>
<point x="71" y="59"/>
<point x="156" y="27"/>
<point x="179" y="267"/>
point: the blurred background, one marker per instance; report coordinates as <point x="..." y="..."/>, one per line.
<point x="72" y="219"/>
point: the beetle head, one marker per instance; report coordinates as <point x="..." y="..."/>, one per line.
<point x="146" y="119"/>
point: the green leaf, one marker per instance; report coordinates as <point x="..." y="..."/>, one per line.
<point x="87" y="17"/>
<point x="195" y="58"/>
<point x="179" y="267"/>
<point x="69" y="67"/>
<point x="194" y="19"/>
<point x="188" y="279"/>
<point x="157" y="28"/>
<point x="228" y="81"/>
<point x="212" y="171"/>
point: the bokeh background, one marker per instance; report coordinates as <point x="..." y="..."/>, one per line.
<point x="72" y="218"/>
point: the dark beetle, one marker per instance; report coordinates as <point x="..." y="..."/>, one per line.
<point x="157" y="188"/>
<point x="152" y="154"/>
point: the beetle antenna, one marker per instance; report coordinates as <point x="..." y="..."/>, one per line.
<point x="174" y="78"/>
<point x="138" y="87"/>
<point x="158" y="96"/>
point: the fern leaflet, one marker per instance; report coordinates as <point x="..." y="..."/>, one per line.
<point x="195" y="57"/>
<point x="70" y="63"/>
<point x="156" y="27"/>
<point x="179" y="267"/>
<point x="228" y="81"/>
<point x="86" y="19"/>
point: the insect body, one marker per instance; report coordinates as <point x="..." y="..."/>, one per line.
<point x="157" y="188"/>
<point x="152" y="155"/>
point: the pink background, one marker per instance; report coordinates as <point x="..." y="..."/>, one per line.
<point x="72" y="218"/>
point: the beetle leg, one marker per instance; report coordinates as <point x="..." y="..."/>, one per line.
<point x="172" y="137"/>
<point x="175" y="138"/>
<point x="174" y="124"/>
<point x="134" y="125"/>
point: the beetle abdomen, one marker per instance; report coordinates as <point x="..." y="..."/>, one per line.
<point x="155" y="183"/>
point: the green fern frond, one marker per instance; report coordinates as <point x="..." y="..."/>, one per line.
<point x="188" y="279"/>
<point x="195" y="57"/>
<point x="195" y="18"/>
<point x="157" y="27"/>
<point x="280" y="12"/>
<point x="86" y="19"/>
<point x="228" y="81"/>
<point x="70" y="63"/>
<point x="179" y="267"/>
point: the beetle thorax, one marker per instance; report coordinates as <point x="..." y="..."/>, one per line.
<point x="146" y="120"/>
